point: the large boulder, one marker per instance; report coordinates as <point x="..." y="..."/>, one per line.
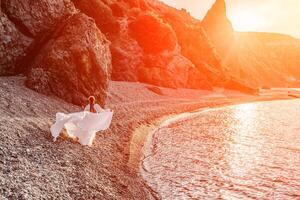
<point x="152" y="34"/>
<point x="38" y="16"/>
<point x="110" y="19"/>
<point x="13" y="46"/>
<point x="25" y="25"/>
<point x="75" y="63"/>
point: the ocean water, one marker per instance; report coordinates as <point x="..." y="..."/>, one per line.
<point x="248" y="151"/>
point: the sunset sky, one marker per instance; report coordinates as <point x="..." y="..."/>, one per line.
<point x="282" y="16"/>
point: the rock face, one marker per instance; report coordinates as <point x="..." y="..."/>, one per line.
<point x="271" y="60"/>
<point x="146" y="48"/>
<point x="163" y="63"/>
<point x="193" y="41"/>
<point x="152" y="34"/>
<point x="36" y="17"/>
<point x="102" y="14"/>
<point x="172" y="70"/>
<point x="74" y="64"/>
<point x="218" y="26"/>
<point x="127" y="58"/>
<point x="111" y="18"/>
<point x="61" y="51"/>
<point x="13" y="46"/>
<point x="195" y="46"/>
<point x="260" y="59"/>
<point x="24" y="24"/>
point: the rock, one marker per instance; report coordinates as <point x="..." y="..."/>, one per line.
<point x="238" y="85"/>
<point x="119" y="9"/>
<point x="75" y="63"/>
<point x="101" y="13"/>
<point x="141" y="4"/>
<point x="156" y="90"/>
<point x="192" y="39"/>
<point x="38" y="16"/>
<point x="254" y="59"/>
<point x="171" y="70"/>
<point x="63" y="53"/>
<point x="198" y="80"/>
<point x="23" y="24"/>
<point x="216" y="19"/>
<point x="13" y="46"/>
<point x="127" y="58"/>
<point x="218" y="26"/>
<point x="164" y="70"/>
<point x="152" y="34"/>
<point x="164" y="65"/>
<point x="126" y="53"/>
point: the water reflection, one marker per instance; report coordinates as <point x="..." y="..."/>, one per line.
<point x="242" y="155"/>
<point x="248" y="151"/>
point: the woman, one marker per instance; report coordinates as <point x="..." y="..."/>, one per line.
<point x="83" y="125"/>
<point x="92" y="106"/>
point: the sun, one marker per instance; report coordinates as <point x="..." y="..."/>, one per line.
<point x="245" y="20"/>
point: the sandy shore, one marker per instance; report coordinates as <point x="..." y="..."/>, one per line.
<point x="33" y="167"/>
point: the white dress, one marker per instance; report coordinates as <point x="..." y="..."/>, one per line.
<point x="82" y="125"/>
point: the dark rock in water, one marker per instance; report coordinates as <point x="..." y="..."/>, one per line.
<point x="75" y="63"/>
<point x="13" y="46"/>
<point x="101" y="13"/>
<point x="152" y="34"/>
<point x="36" y="17"/>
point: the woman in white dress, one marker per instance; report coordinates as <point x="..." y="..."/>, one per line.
<point x="92" y="107"/>
<point x="83" y="125"/>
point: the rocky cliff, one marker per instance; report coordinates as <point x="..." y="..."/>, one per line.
<point x="262" y="59"/>
<point x="160" y="45"/>
<point x="70" y="48"/>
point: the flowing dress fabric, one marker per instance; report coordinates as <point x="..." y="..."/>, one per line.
<point x="82" y="125"/>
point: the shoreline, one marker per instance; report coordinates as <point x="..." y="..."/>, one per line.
<point x="35" y="167"/>
<point x="142" y="137"/>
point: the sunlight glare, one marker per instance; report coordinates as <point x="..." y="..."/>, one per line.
<point x="245" y="129"/>
<point x="244" y="20"/>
